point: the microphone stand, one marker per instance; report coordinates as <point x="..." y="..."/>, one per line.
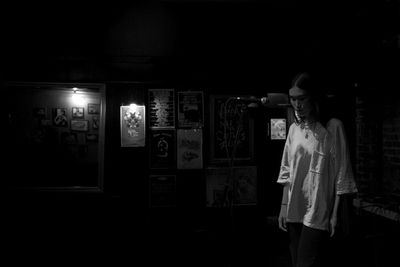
<point x="230" y="185"/>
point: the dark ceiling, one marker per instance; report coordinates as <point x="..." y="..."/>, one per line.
<point x="218" y="40"/>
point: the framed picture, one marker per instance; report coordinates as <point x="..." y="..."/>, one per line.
<point x="189" y="149"/>
<point x="80" y="125"/>
<point x="162" y="191"/>
<point x="161" y="108"/>
<point x="190" y="109"/>
<point x="132" y="125"/>
<point x="162" y="148"/>
<point x="278" y="129"/>
<point x="60" y="117"/>
<point x="231" y="130"/>
<point x="243" y="180"/>
<point x="95" y="122"/>
<point x="78" y="113"/>
<point x="93" y="108"/>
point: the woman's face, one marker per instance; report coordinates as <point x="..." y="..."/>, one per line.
<point x="301" y="102"/>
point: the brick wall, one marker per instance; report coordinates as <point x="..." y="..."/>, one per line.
<point x="367" y="145"/>
<point x="377" y="143"/>
<point x="391" y="145"/>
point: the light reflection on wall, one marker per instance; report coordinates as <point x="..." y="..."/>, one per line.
<point x="77" y="98"/>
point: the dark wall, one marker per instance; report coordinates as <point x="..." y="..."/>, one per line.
<point x="248" y="42"/>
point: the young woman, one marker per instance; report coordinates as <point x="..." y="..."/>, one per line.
<point x="315" y="172"/>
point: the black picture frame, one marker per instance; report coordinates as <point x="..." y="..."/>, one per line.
<point x="162" y="148"/>
<point x="60" y="118"/>
<point x="162" y="190"/>
<point x="219" y="136"/>
<point x="190" y="109"/>
<point x="93" y="108"/>
<point x="161" y="108"/>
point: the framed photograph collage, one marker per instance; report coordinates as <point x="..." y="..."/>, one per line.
<point x="73" y="128"/>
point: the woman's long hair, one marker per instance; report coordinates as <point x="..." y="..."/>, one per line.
<point x="311" y="84"/>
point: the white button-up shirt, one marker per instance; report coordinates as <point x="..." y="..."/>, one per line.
<point x="316" y="164"/>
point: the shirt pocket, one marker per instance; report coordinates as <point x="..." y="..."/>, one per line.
<point x="318" y="160"/>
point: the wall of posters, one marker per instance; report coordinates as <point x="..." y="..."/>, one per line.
<point x="190" y="109"/>
<point x="189" y="149"/>
<point x="162" y="191"/>
<point x="162" y="148"/>
<point x="244" y="184"/>
<point x="132" y="126"/>
<point x="161" y="108"/>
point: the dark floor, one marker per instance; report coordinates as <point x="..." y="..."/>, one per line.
<point x="117" y="234"/>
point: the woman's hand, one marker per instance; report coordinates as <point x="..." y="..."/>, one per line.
<point x="333" y="223"/>
<point x="282" y="217"/>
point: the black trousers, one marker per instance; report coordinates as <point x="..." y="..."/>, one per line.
<point x="307" y="245"/>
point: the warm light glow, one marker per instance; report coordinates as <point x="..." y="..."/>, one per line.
<point x="133" y="107"/>
<point x="78" y="100"/>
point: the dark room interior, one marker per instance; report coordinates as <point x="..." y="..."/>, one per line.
<point x="126" y="126"/>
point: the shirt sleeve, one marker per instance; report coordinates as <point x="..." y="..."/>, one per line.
<point x="342" y="169"/>
<point x="284" y="173"/>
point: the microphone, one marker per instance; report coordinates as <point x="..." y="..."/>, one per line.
<point x="253" y="99"/>
<point x="271" y="100"/>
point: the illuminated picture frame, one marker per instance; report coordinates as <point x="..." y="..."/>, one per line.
<point x="78" y="113"/>
<point x="132" y="125"/>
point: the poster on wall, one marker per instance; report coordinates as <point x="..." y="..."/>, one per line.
<point x="190" y="109"/>
<point x="189" y="149"/>
<point x="162" y="148"/>
<point x="244" y="184"/>
<point x="278" y="129"/>
<point x="161" y="108"/>
<point x="231" y="129"/>
<point x="132" y="122"/>
<point x="60" y="117"/>
<point x="80" y="125"/>
<point x="162" y="191"/>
